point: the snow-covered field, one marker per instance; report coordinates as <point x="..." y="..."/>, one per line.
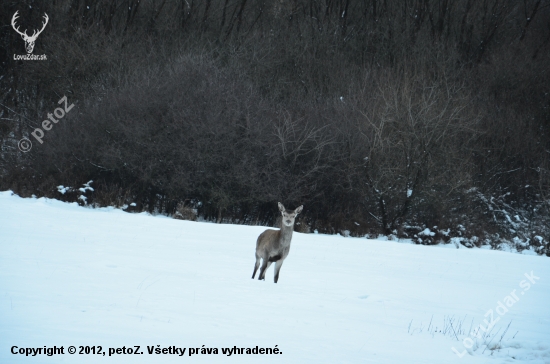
<point x="78" y="276"/>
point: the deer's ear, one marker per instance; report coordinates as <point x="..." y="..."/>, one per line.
<point x="281" y="207"/>
<point x="299" y="209"/>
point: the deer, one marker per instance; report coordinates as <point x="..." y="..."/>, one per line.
<point x="274" y="245"/>
<point x="29" y="41"/>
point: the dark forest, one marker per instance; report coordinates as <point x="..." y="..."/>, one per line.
<point x="380" y="117"/>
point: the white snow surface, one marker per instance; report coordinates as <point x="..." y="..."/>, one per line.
<point x="72" y="275"/>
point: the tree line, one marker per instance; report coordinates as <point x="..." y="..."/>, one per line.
<point x="381" y="117"/>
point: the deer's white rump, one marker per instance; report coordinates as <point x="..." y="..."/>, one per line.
<point x="274" y="245"/>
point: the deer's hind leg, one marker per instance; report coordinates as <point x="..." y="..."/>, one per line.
<point x="265" y="265"/>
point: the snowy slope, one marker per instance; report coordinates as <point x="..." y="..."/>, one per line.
<point x="78" y="276"/>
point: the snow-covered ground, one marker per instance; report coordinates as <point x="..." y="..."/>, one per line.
<point x="78" y="276"/>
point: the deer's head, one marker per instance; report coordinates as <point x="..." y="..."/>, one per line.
<point x="29" y="40"/>
<point x="289" y="215"/>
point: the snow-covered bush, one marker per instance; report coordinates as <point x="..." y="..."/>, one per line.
<point x="185" y="212"/>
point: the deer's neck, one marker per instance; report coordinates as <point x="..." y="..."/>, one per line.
<point x="286" y="234"/>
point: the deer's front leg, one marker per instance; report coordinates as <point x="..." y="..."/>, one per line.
<point x="278" y="265"/>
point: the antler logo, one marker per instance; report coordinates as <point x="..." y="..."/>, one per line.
<point x="29" y="41"/>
